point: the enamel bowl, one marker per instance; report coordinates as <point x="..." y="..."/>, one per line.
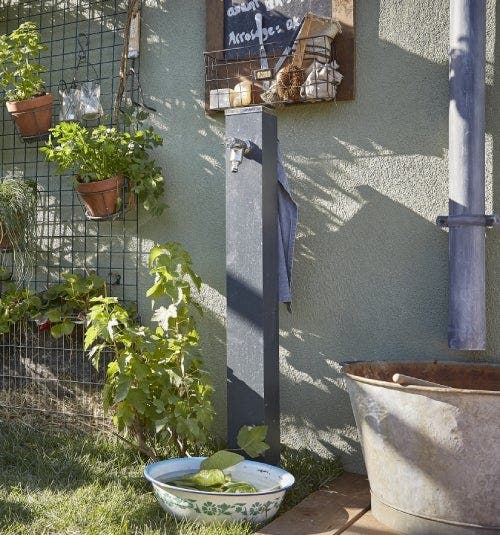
<point x="206" y="507"/>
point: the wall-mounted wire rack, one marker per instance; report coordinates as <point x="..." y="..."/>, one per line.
<point x="306" y="72"/>
<point x="38" y="373"/>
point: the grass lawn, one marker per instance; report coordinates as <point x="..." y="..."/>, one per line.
<point x="65" y="482"/>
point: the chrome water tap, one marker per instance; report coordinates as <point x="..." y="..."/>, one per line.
<point x="239" y="148"/>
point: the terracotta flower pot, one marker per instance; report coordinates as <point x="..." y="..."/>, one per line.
<point x="33" y="117"/>
<point x="103" y="198"/>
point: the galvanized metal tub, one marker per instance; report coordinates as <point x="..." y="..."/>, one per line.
<point x="432" y="454"/>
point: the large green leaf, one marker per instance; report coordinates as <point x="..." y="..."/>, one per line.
<point x="122" y="388"/>
<point x="206" y="478"/>
<point x="61" y="329"/>
<point x="239" y="487"/>
<point x="251" y="440"/>
<point x="222" y="459"/>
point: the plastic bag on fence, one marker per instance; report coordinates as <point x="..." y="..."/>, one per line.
<point x="90" y="104"/>
<point x="322" y="81"/>
<point x="70" y="104"/>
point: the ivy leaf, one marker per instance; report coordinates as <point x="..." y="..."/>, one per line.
<point x="251" y="440"/>
<point x="54" y="315"/>
<point x="222" y="459"/>
<point x="161" y="423"/>
<point x="113" y="322"/>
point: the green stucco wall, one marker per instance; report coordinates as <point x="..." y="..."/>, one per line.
<point x="370" y="176"/>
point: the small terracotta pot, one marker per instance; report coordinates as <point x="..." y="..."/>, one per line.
<point x="33" y="117"/>
<point x="101" y="198"/>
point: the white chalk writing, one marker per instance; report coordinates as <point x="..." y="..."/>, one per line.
<point x="240" y="38"/>
<point x="254" y="5"/>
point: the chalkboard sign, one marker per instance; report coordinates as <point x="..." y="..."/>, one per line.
<point x="280" y="21"/>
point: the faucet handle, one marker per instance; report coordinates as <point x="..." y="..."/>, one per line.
<point x="236" y="143"/>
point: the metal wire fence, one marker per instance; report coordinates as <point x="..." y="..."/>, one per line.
<point x="84" y="40"/>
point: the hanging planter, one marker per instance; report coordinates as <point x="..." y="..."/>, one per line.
<point x="81" y="100"/>
<point x="26" y="100"/>
<point x="33" y="117"/>
<point x="69" y="109"/>
<point x="90" y="104"/>
<point x="102" y="199"/>
<point x="101" y="157"/>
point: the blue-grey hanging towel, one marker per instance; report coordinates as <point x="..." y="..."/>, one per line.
<point x="287" y="229"/>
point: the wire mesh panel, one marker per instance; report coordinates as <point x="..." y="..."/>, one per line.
<point x="84" y="40"/>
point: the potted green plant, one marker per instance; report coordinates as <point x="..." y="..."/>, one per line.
<point x="18" y="199"/>
<point x="102" y="158"/>
<point x="26" y="99"/>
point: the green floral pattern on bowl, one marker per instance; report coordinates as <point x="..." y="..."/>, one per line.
<point x="220" y="507"/>
<point x="255" y="512"/>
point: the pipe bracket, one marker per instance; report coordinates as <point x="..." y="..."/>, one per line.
<point x="468" y="220"/>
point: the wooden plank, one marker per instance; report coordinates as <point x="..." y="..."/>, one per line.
<point x="369" y="525"/>
<point x="214" y="36"/>
<point x="325" y="512"/>
<point x="345" y="47"/>
<point x="214" y="13"/>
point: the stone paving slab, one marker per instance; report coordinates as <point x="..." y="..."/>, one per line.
<point x="328" y="511"/>
<point x="369" y="525"/>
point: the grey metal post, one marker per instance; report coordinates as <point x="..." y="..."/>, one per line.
<point x="252" y="278"/>
<point x="467" y="312"/>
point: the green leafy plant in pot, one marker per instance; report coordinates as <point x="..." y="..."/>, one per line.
<point x="18" y="200"/>
<point x="102" y="158"/>
<point x="26" y="99"/>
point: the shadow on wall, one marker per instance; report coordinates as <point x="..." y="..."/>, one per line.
<point x="364" y="302"/>
<point x="370" y="285"/>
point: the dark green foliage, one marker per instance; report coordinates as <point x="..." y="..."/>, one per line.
<point x="68" y="302"/>
<point x="59" y="307"/>
<point x="17" y="305"/>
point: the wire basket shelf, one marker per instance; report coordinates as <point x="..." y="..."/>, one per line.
<point x="302" y="73"/>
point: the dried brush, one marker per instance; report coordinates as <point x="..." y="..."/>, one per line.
<point x="289" y="81"/>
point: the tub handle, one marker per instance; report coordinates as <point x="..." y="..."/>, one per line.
<point x="407" y="380"/>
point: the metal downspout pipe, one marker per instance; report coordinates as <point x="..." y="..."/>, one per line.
<point x="467" y="296"/>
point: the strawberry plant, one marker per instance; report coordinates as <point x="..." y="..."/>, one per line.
<point x="68" y="302"/>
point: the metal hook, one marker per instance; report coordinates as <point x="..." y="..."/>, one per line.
<point x="82" y="56"/>
<point x="82" y="53"/>
<point x="142" y="102"/>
